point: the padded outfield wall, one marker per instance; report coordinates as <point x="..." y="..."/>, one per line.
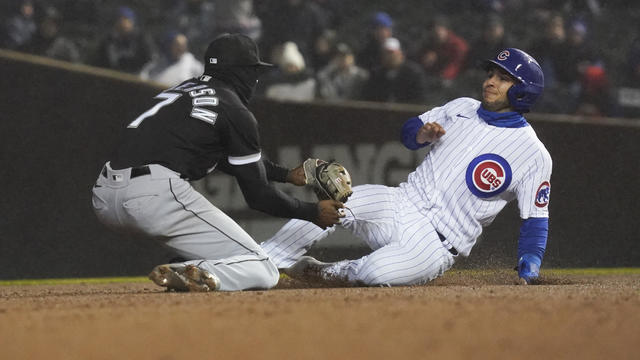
<point x="59" y="123"/>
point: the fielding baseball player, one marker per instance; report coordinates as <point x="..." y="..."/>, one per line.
<point x="195" y="127"/>
<point x="483" y="155"/>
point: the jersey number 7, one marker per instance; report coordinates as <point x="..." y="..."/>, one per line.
<point x="169" y="98"/>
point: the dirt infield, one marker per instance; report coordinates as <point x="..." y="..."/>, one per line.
<point x="470" y="315"/>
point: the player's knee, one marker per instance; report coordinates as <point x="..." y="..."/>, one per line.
<point x="370" y="274"/>
<point x="269" y="277"/>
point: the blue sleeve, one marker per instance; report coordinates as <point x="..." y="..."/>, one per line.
<point x="533" y="237"/>
<point x="409" y="131"/>
<point x="531" y="246"/>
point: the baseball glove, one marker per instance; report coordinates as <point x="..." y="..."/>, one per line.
<point x="329" y="180"/>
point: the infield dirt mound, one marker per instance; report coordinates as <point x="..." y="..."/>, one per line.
<point x="470" y="315"/>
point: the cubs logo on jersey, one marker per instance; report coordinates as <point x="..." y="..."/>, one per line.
<point x="488" y="175"/>
<point x="542" y="195"/>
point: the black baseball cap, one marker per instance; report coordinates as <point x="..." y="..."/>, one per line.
<point x="232" y="50"/>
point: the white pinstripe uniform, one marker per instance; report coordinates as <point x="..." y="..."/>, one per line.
<point x="467" y="177"/>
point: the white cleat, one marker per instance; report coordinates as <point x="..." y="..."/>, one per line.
<point x="184" y="278"/>
<point x="307" y="268"/>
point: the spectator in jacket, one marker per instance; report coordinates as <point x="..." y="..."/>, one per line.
<point x="397" y="79"/>
<point x="293" y="81"/>
<point x="49" y="42"/>
<point x="174" y="64"/>
<point x="125" y="48"/>
<point x="380" y="29"/>
<point x="19" y="27"/>
<point x="342" y="79"/>
<point x="444" y="54"/>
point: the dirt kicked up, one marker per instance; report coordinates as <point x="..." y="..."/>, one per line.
<point x="464" y="315"/>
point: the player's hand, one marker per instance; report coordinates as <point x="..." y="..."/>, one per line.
<point x="429" y="132"/>
<point x="296" y="176"/>
<point x="329" y="213"/>
<point x="528" y="269"/>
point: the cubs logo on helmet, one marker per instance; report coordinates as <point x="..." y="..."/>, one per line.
<point x="504" y="54"/>
<point x="488" y="175"/>
<point x="542" y="195"/>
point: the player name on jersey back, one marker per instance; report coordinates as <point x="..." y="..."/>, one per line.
<point x="202" y="95"/>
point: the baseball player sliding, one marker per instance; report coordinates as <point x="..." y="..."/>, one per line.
<point x="193" y="128"/>
<point x="483" y="154"/>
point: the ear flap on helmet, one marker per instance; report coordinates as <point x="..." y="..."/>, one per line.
<point x="522" y="96"/>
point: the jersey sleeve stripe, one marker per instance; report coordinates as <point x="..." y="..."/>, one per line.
<point x="242" y="160"/>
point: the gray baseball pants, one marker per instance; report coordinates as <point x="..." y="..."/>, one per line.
<point x="165" y="207"/>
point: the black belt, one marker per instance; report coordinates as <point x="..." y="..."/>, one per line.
<point x="139" y="171"/>
<point x="135" y="171"/>
<point x="453" y="250"/>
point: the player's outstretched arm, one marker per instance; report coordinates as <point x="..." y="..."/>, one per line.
<point x="281" y="174"/>
<point x="531" y="247"/>
<point x="263" y="196"/>
<point x="273" y="171"/>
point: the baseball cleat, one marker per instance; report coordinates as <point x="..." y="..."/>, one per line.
<point x="200" y="280"/>
<point x="307" y="268"/>
<point x="184" y="278"/>
<point x="166" y="276"/>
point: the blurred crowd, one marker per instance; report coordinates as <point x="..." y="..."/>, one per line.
<point x="406" y="52"/>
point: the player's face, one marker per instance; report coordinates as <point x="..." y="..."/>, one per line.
<point x="494" y="90"/>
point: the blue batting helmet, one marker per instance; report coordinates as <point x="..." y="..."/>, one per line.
<point x="526" y="70"/>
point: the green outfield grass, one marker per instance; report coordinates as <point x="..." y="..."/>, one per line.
<point x="105" y="280"/>
<point x="593" y="271"/>
<point x="137" y="279"/>
<point x="558" y="272"/>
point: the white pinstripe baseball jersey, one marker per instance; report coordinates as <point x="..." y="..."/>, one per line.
<point x="471" y="173"/>
<point x="464" y="181"/>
